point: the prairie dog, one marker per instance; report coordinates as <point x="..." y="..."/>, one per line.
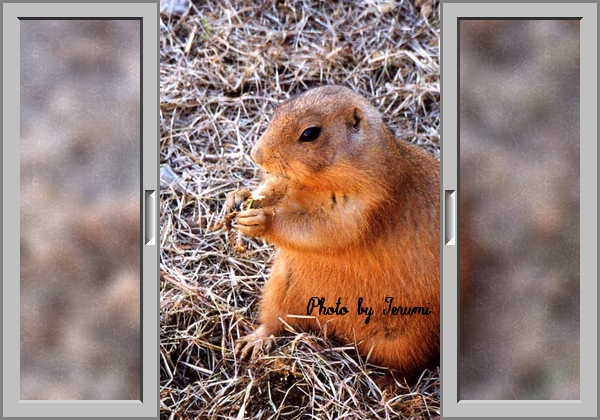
<point x="354" y="214"/>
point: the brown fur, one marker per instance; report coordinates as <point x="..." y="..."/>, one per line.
<point x="354" y="213"/>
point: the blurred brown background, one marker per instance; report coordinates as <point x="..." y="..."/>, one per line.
<point x="519" y="209"/>
<point x="80" y="209"/>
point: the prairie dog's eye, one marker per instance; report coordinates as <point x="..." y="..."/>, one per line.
<point x="310" y="134"/>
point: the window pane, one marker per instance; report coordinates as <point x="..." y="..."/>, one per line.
<point x="519" y="209"/>
<point x="80" y="209"/>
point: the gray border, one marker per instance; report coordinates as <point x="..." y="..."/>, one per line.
<point x="148" y="406"/>
<point x="587" y="406"/>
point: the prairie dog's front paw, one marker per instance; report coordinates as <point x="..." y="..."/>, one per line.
<point x="254" y="222"/>
<point x="235" y="200"/>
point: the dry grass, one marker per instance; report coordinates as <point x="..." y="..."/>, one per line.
<point x="224" y="66"/>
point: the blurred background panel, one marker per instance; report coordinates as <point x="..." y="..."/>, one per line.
<point x="80" y="209"/>
<point x="519" y="209"/>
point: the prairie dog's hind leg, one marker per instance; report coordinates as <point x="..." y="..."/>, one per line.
<point x="255" y="343"/>
<point x="271" y="309"/>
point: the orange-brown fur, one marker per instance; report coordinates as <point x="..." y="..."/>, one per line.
<point x="354" y="213"/>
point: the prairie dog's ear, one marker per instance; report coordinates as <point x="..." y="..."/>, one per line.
<point x="356" y="118"/>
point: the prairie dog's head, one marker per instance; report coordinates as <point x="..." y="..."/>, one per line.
<point x="322" y="137"/>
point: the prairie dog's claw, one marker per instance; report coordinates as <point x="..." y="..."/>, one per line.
<point x="254" y="344"/>
<point x="235" y="199"/>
